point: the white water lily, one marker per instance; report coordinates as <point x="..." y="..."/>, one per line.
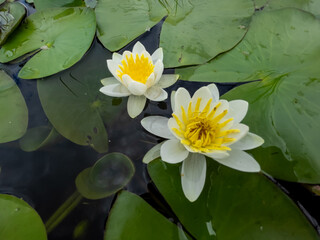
<point x="138" y="75"/>
<point x="203" y="126"/>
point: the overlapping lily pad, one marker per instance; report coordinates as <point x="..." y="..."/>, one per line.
<point x="233" y="205"/>
<point x="74" y="105"/>
<point x="193" y="33"/>
<point x="11" y="14"/>
<point x="38" y="137"/>
<point x="284" y="107"/>
<point x="107" y="176"/>
<point x="306" y="5"/>
<point x="14" y="111"/>
<point x="61" y="36"/>
<point x="19" y="221"/>
<point x="132" y="218"/>
<point x="44" y="4"/>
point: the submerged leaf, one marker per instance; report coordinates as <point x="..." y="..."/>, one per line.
<point x="13" y="110"/>
<point x="107" y="176"/>
<point x="62" y="35"/>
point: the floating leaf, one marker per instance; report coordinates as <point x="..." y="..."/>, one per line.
<point x="74" y="105"/>
<point x="38" y="137"/>
<point x="13" y="110"/>
<point x="193" y="33"/>
<point x="283" y="108"/>
<point x="19" y="221"/>
<point x="11" y="14"/>
<point x="61" y="35"/>
<point x="132" y="218"/>
<point x="107" y="176"/>
<point x="233" y="205"/>
<point x="306" y="5"/>
<point x="44" y="4"/>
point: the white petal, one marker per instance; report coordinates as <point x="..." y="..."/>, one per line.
<point x="150" y="80"/>
<point x="167" y="80"/>
<point x="224" y="106"/>
<point x="241" y="161"/>
<point x="203" y="93"/>
<point x="214" y="92"/>
<point x="157" y="55"/>
<point x="158" y="126"/>
<point x="138" y="48"/>
<point x="172" y="100"/>
<point x="115" y="90"/>
<point x="136" y="88"/>
<point x="172" y="151"/>
<point x="217" y="154"/>
<point x="152" y="154"/>
<point x="249" y="141"/>
<point x="156" y="94"/>
<point x="135" y="105"/>
<point x="158" y="69"/>
<point x="117" y="58"/>
<point x="128" y="54"/>
<point x="244" y="129"/>
<point x="112" y="66"/>
<point x="173" y="124"/>
<point x="109" y="81"/>
<point x="193" y="175"/>
<point x="182" y="98"/>
<point x="237" y="110"/>
<point x="147" y="55"/>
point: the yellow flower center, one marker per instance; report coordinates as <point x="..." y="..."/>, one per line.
<point x="139" y="69"/>
<point x="203" y="131"/>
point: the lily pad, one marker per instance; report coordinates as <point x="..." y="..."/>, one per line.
<point x="14" y="111"/>
<point x="132" y="218"/>
<point x="283" y="110"/>
<point x="74" y="105"/>
<point x="233" y="205"/>
<point x="107" y="176"/>
<point x="11" y="14"/>
<point x="62" y="34"/>
<point x="19" y="221"/>
<point x="38" y="137"/>
<point x="193" y="33"/>
<point x="306" y="5"/>
<point x="44" y="4"/>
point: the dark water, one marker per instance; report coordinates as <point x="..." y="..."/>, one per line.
<point x="45" y="178"/>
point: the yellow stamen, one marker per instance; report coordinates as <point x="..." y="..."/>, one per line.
<point x="201" y="130"/>
<point x="139" y="69"/>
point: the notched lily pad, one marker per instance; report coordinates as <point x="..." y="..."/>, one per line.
<point x="132" y="218"/>
<point x="74" y="105"/>
<point x="19" y="221"/>
<point x="14" y="111"/>
<point x="284" y="107"/>
<point x="38" y="137"/>
<point x="228" y="198"/>
<point x="11" y="14"/>
<point x="107" y="176"/>
<point x="63" y="35"/>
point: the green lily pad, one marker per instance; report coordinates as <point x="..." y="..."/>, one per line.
<point x="19" y="221"/>
<point x="120" y="22"/>
<point x="306" y="5"/>
<point x="14" y="111"/>
<point x="62" y="34"/>
<point x="38" y="137"/>
<point x="44" y="4"/>
<point x="11" y="14"/>
<point x="132" y="218"/>
<point x="193" y="33"/>
<point x="107" y="176"/>
<point x="233" y="205"/>
<point x="74" y="105"/>
<point x="283" y="108"/>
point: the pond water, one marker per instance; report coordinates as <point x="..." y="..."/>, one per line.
<point x="45" y="178"/>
